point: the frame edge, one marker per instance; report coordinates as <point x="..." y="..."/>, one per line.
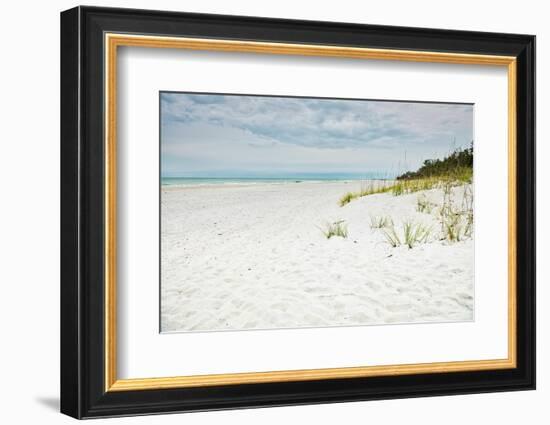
<point x="70" y="348"/>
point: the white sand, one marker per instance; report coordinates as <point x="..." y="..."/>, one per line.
<point x="252" y="257"/>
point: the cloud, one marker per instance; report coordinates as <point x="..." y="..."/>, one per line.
<point x="220" y="131"/>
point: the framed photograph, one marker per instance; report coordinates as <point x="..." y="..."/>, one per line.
<point x="261" y="212"/>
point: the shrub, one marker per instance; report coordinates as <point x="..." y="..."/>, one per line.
<point x="458" y="165"/>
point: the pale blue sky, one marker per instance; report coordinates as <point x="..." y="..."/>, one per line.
<point x="206" y="135"/>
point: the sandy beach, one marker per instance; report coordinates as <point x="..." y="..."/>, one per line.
<point x="253" y="256"/>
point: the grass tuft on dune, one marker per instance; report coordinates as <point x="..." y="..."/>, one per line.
<point x="454" y="170"/>
<point x="338" y="228"/>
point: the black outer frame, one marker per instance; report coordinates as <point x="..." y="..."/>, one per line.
<point x="82" y="219"/>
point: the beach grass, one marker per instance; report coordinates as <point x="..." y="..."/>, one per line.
<point x="456" y="169"/>
<point x="457" y="221"/>
<point x="404" y="187"/>
<point x="369" y="188"/>
<point x="347" y="198"/>
<point x="412" y="234"/>
<point x="338" y="228"/>
<point x="415" y="233"/>
<point x="392" y="237"/>
<point x="380" y="222"/>
<point x="455" y="215"/>
<point x="446" y="175"/>
<point x="423" y="205"/>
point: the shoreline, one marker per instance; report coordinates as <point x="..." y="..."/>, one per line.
<point x="269" y="182"/>
<point x="250" y="185"/>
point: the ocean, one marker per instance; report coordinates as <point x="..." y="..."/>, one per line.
<point x="204" y="181"/>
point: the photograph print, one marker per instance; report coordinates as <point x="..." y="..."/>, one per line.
<point x="298" y="212"/>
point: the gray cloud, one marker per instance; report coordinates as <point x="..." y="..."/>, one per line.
<point x="254" y="131"/>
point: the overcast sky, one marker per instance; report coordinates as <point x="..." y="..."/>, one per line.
<point x="206" y="135"/>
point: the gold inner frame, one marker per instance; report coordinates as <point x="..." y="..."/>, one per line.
<point x="113" y="41"/>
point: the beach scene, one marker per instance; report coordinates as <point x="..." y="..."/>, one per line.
<point x="297" y="212"/>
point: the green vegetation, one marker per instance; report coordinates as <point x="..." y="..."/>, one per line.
<point x="454" y="170"/>
<point x="413" y="234"/>
<point x="338" y="228"/>
<point x="457" y="166"/>
<point x="347" y="198"/>
<point x="400" y="187"/>
<point x="423" y="205"/>
<point x="392" y="237"/>
<point x="371" y="188"/>
<point x="403" y="187"/>
<point x="457" y="223"/>
<point x="455" y="217"/>
<point x="380" y="222"/>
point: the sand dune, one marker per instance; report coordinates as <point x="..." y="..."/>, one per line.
<point x="253" y="257"/>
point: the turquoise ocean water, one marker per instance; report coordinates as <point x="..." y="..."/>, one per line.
<point x="203" y="181"/>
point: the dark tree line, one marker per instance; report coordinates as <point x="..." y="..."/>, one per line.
<point x="460" y="159"/>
